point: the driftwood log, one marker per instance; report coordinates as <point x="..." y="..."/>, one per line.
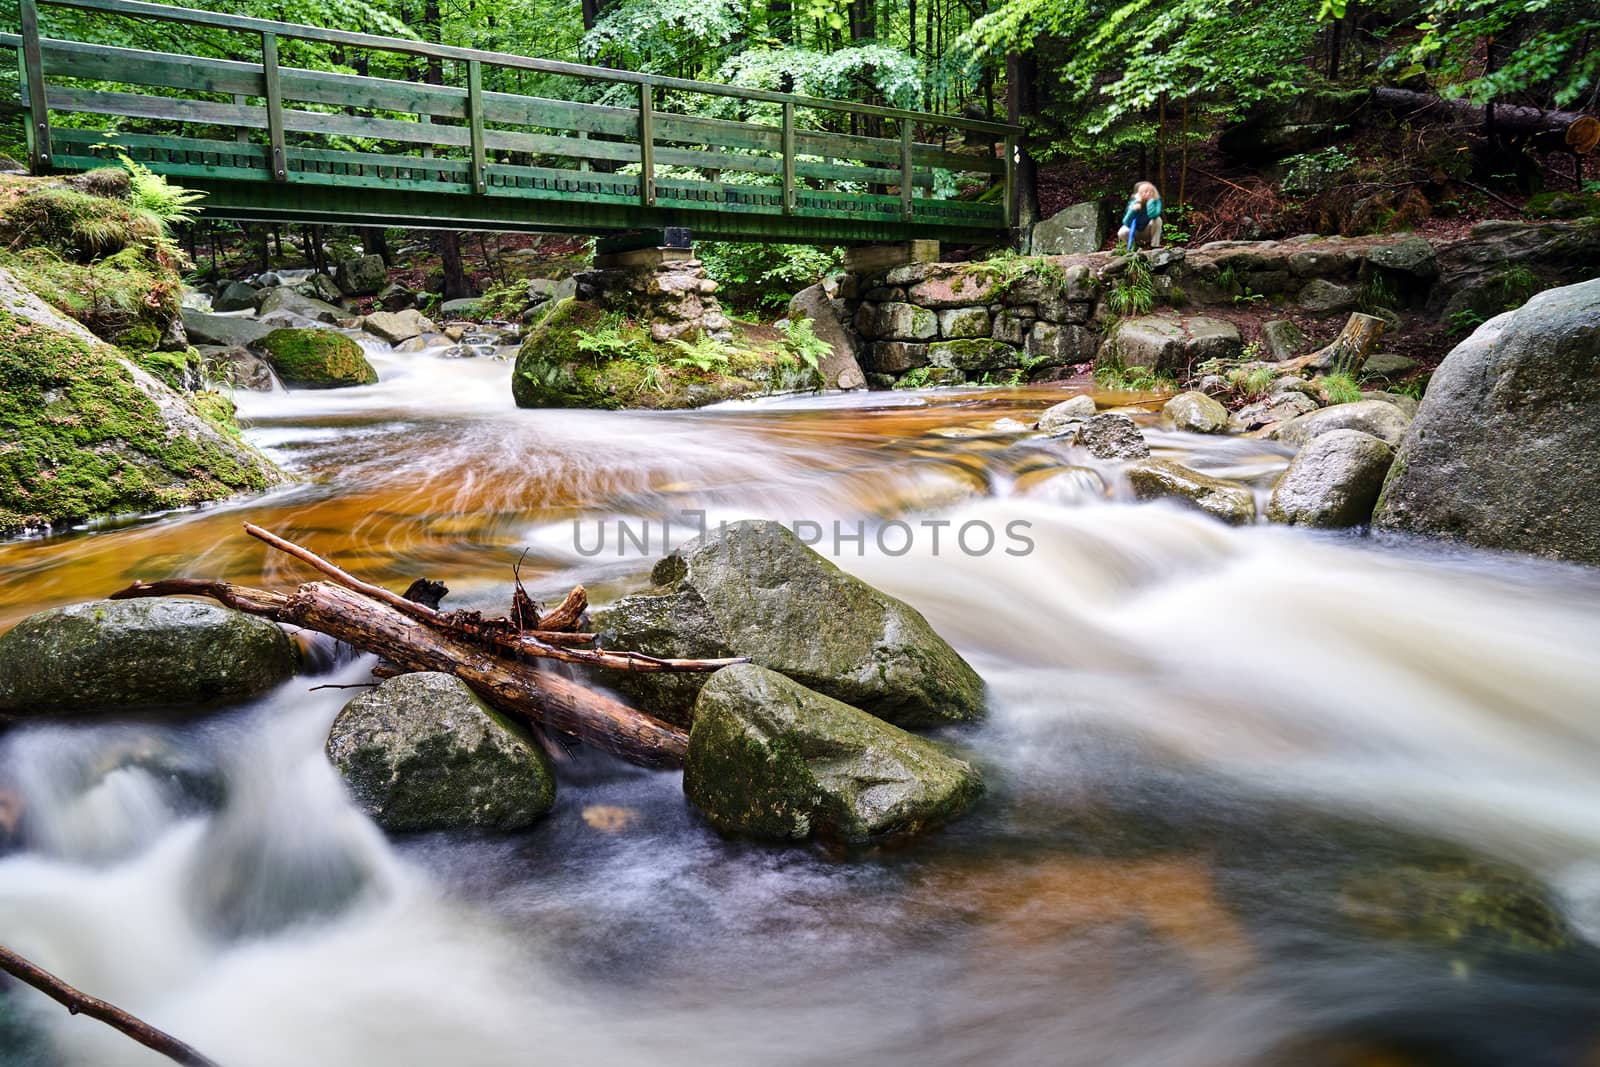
<point x="515" y="685"/>
<point x="80" y="1003"/>
<point x="1577" y="132"/>
<point x="1347" y="353"/>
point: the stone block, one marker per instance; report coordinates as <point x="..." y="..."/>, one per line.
<point x="964" y="322"/>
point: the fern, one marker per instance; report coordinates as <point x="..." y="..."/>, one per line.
<point x="705" y="353"/>
<point x="801" y="341"/>
<point x="153" y="196"/>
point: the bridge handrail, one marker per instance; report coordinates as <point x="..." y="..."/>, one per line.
<point x="300" y="31"/>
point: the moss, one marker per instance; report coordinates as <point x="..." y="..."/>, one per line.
<point x="79" y="438"/>
<point x="123" y="299"/>
<point x="316" y="359"/>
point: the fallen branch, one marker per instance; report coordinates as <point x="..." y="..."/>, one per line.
<point x="567" y="614"/>
<point x="79" y="1003"/>
<point x="519" y="687"/>
<point x="1347" y="353"/>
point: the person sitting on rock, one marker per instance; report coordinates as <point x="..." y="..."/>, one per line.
<point x="1143" y="213"/>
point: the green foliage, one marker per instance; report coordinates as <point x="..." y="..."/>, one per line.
<point x="609" y="341"/>
<point x="1314" y="172"/>
<point x="1251" y="382"/>
<point x="1112" y="374"/>
<point x="1006" y="268"/>
<point x="1338" y="388"/>
<point x="915" y="378"/>
<point x="506" y="300"/>
<point x="753" y="275"/>
<point x="1548" y="48"/>
<point x="801" y="341"/>
<point x="1464" y="320"/>
<point x="704" y="353"/>
<point x="1133" y="291"/>
<point x="1377" y="294"/>
<point x="156" y="198"/>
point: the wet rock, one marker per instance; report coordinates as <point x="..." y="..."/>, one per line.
<point x="1052" y="345"/>
<point x="754" y="589"/>
<point x="226" y="331"/>
<point x="1321" y="297"/>
<point x="113" y="655"/>
<point x="423" y="752"/>
<point x="281" y="302"/>
<point x="895" y="357"/>
<point x="235" y="296"/>
<point x="1383" y="421"/>
<point x="1333" y="482"/>
<point x="840" y="368"/>
<point x="361" y="276"/>
<point x="315" y="359"/>
<point x="320" y="287"/>
<point x="1280" y="407"/>
<point x="1067" y="415"/>
<point x="772" y="760"/>
<point x="1158" y="479"/>
<point x="396" y="297"/>
<point x="897" y="322"/>
<point x="239" y="367"/>
<point x="1112" y="436"/>
<point x="466" y="306"/>
<point x="1282" y="339"/>
<point x="397" y="326"/>
<point x="1195" y="412"/>
<point x="1505" y="448"/>
<point x="1073" y="230"/>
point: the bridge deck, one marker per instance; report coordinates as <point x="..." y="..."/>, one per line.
<point x="268" y="141"/>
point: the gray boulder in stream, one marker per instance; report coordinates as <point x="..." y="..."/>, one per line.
<point x="1505" y="449"/>
<point x="1333" y="482"/>
<point x="773" y="760"/>
<point x="754" y="589"/>
<point x="112" y="655"/>
<point x="423" y="752"/>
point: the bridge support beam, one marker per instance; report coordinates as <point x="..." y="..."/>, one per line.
<point x="875" y="259"/>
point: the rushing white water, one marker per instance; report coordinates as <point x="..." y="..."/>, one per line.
<point x="1172" y="683"/>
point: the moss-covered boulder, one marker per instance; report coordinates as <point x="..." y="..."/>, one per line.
<point x="422" y="752"/>
<point x="1159" y="479"/>
<point x="114" y="655"/>
<point x="577" y="358"/>
<point x="85" y="432"/>
<point x="315" y="359"/>
<point x="772" y="760"/>
<point x="754" y="589"/>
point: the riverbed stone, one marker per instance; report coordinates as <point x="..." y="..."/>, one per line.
<point x="1383" y="421"/>
<point x="1195" y="412"/>
<point x="424" y="752"/>
<point x="1505" y="449"/>
<point x="398" y="326"/>
<point x="1333" y="482"/>
<point x="1067" y="415"/>
<point x="754" y="589"/>
<point x="235" y="296"/>
<point x="315" y="359"/>
<point x="772" y="760"/>
<point x="361" y="275"/>
<point x="1113" y="436"/>
<point x="228" y="331"/>
<point x="281" y="303"/>
<point x="1158" y="479"/>
<point x="239" y="367"/>
<point x="1407" y="404"/>
<point x="116" y="655"/>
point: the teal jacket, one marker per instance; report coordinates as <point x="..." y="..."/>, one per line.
<point x="1138" y="214"/>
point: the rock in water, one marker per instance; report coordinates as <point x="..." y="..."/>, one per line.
<point x="753" y="589"/>
<point x="112" y="655"/>
<point x="1194" y="412"/>
<point x="1067" y="415"/>
<point x="1113" y="436"/>
<point x="1505" y="449"/>
<point x="235" y="296"/>
<point x="362" y="275"/>
<point x="397" y="326"/>
<point x="422" y="752"/>
<point x="1385" y="421"/>
<point x="1333" y="481"/>
<point x="1157" y="478"/>
<point x="772" y="760"/>
<point x="316" y="359"/>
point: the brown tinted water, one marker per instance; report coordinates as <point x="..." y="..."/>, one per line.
<point x="1255" y="796"/>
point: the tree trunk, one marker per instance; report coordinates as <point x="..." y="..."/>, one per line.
<point x="376" y="243"/>
<point x="1348" y="352"/>
<point x="1509" y="119"/>
<point x="1022" y="102"/>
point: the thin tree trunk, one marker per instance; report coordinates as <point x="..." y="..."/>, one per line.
<point x="1022" y="103"/>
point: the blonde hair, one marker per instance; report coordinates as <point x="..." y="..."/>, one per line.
<point x="1146" y="192"/>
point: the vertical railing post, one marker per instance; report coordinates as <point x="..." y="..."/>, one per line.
<point x="788" y="158"/>
<point x="907" y="188"/>
<point x="276" y="152"/>
<point x="1011" y="180"/>
<point x="647" y="145"/>
<point x="480" y="180"/>
<point x="33" y="77"/>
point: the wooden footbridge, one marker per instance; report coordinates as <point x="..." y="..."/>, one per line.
<point x="596" y="151"/>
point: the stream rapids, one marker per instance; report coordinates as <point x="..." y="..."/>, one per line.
<point x="1242" y="782"/>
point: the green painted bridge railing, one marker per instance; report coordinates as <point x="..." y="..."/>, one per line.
<point x="270" y="142"/>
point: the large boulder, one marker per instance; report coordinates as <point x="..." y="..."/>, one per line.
<point x="1166" y="342"/>
<point x="1194" y="412"/>
<point x="1333" y="482"/>
<point x="84" y="431"/>
<point x="772" y="760"/>
<point x="361" y="275"/>
<point x="225" y="331"/>
<point x="423" y="752"/>
<point x="754" y="589"/>
<point x="1159" y="479"/>
<point x="1073" y="230"/>
<point x="285" y="305"/>
<point x="1505" y="448"/>
<point x="235" y="296"/>
<point x="114" y="655"/>
<point x="315" y="359"/>
<point x="1384" y="421"/>
<point x="397" y="326"/>
<point x="1322" y="297"/>
<point x="840" y="369"/>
